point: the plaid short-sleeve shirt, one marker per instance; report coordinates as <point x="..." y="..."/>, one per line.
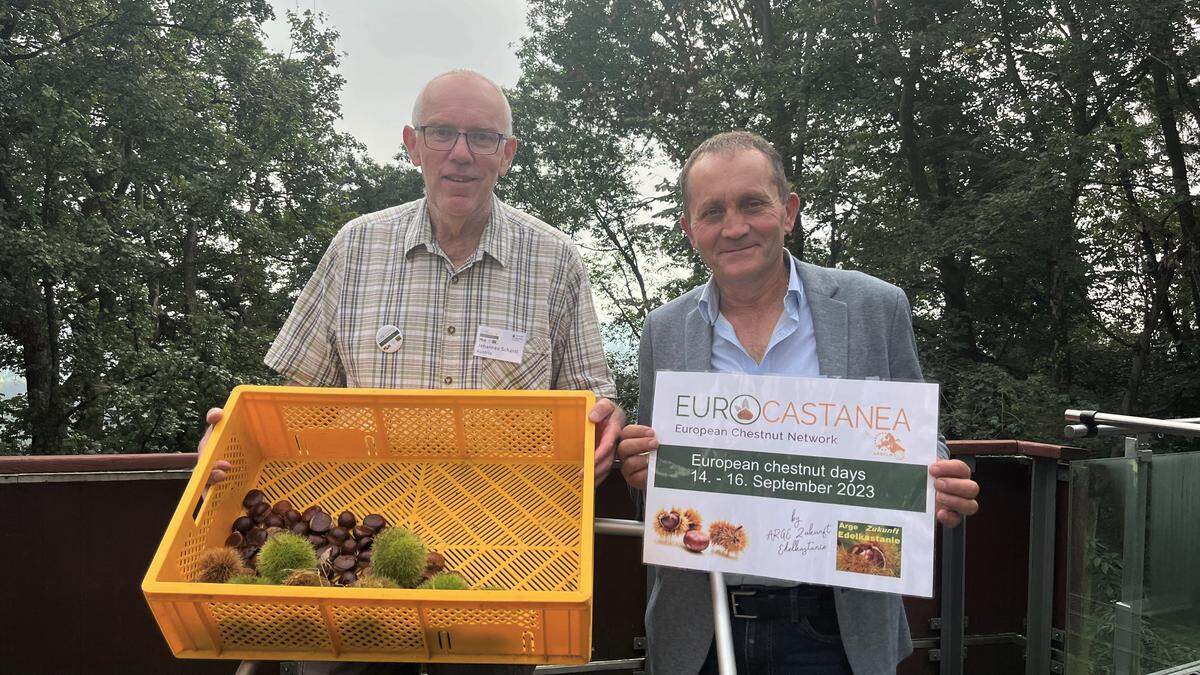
<point x="386" y="269"/>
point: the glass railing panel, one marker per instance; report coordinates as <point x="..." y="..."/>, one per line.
<point x="1134" y="565"/>
<point x="1170" y="609"/>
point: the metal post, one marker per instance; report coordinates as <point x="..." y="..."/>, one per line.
<point x="1041" y="566"/>
<point x="1127" y="643"/>
<point x="1123" y="662"/>
<point x="954" y="545"/>
<point x="619" y="527"/>
<point x="722" y="624"/>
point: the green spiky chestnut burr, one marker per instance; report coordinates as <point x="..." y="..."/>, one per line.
<point x="284" y="553"/>
<point x="400" y="556"/>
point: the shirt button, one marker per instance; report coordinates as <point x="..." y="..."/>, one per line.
<point x="454" y="279"/>
<point x="450" y="330"/>
<point x="447" y="380"/>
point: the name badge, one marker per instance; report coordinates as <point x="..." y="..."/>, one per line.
<point x="389" y="338"/>
<point x="499" y="344"/>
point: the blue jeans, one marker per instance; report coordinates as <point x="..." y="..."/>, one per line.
<point x="809" y="645"/>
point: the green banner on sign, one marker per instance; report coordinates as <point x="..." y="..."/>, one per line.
<point x="826" y="480"/>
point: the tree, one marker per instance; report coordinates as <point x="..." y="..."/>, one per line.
<point x="992" y="158"/>
<point x="166" y="184"/>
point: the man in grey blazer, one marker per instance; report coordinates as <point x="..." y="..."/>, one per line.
<point x="764" y="312"/>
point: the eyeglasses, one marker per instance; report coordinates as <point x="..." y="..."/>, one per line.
<point x="444" y="138"/>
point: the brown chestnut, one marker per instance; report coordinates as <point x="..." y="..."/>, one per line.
<point x="247" y="552"/>
<point x="281" y="507"/>
<point x="273" y="520"/>
<point x="316" y="540"/>
<point x="259" y="512"/>
<point x="243" y="524"/>
<point x="695" y="541"/>
<point x="326" y="555"/>
<point x="375" y="522"/>
<point x="309" y="513"/>
<point x="365" y="543"/>
<point x="364" y="556"/>
<point x="235" y="539"/>
<point x="669" y="521"/>
<point x="257" y="536"/>
<point x="347" y="520"/>
<point x="320" y="523"/>
<point x="338" y="535"/>
<point x="349" y="546"/>
<point x="253" y="497"/>
<point x="343" y="563"/>
<point x="435" y="562"/>
<point x="300" y="527"/>
<point x="292" y="517"/>
<point x="348" y="578"/>
<point x="363" y="531"/>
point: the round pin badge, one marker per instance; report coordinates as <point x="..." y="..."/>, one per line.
<point x="389" y="339"/>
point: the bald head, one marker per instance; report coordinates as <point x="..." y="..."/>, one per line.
<point x="468" y="78"/>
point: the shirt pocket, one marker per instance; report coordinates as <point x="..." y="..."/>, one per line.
<point x="533" y="372"/>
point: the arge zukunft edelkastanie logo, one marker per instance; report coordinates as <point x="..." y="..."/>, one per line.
<point x="746" y="408"/>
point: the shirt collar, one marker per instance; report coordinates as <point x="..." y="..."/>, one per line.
<point x="495" y="241"/>
<point x="793" y="300"/>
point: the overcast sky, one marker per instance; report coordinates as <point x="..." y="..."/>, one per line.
<point x="392" y="47"/>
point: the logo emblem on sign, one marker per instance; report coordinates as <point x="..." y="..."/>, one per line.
<point x="746" y="408"/>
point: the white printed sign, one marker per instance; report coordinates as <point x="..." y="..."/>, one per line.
<point x="816" y="480"/>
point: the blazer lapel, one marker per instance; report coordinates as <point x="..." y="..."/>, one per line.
<point x="830" y="324"/>
<point x="697" y="342"/>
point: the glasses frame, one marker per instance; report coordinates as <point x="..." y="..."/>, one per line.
<point x="500" y="138"/>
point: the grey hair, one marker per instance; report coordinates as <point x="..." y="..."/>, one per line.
<point x="417" y="112"/>
<point x="731" y="141"/>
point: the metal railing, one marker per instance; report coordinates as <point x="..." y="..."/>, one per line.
<point x="1128" y="610"/>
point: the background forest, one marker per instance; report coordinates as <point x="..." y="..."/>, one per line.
<point x="1026" y="171"/>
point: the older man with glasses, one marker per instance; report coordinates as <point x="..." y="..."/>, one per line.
<point x="455" y="290"/>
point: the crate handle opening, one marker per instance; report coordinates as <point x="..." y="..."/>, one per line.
<point x="199" y="506"/>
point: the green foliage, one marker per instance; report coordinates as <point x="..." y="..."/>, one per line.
<point x="1008" y="164"/>
<point x="166" y="185"/>
<point x="1022" y="170"/>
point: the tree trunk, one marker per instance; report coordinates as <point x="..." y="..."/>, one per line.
<point x="952" y="272"/>
<point x="189" y="270"/>
<point x="37" y="333"/>
<point x="1190" y="244"/>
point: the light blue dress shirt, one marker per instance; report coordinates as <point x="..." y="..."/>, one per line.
<point x="791" y="351"/>
<point x="793" y="346"/>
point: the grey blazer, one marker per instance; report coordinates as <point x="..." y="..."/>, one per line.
<point x="863" y="329"/>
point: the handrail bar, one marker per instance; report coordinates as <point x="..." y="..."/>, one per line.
<point x="1093" y="423"/>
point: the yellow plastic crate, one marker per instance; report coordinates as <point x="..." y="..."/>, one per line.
<point x="499" y="482"/>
